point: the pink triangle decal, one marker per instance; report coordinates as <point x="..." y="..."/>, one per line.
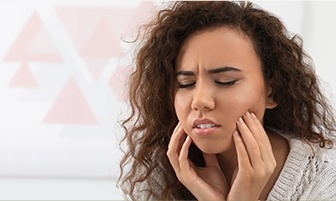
<point x="23" y="78"/>
<point x="118" y="82"/>
<point x="99" y="49"/>
<point x="81" y="22"/>
<point x="70" y="107"/>
<point x="139" y="17"/>
<point x="33" y="44"/>
<point x="102" y="43"/>
<point x="96" y="66"/>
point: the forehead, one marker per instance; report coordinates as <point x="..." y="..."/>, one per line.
<point x="217" y="47"/>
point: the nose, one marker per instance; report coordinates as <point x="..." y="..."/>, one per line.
<point x="203" y="99"/>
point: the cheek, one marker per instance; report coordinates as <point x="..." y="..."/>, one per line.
<point x="247" y="100"/>
<point x="181" y="107"/>
<point x="257" y="103"/>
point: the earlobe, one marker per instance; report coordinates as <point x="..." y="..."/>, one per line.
<point x="270" y="102"/>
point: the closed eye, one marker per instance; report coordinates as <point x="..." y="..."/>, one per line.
<point x="179" y="85"/>
<point x="226" y="83"/>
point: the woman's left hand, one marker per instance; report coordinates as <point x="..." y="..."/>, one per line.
<point x="256" y="162"/>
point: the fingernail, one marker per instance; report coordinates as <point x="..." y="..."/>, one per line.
<point x="253" y="115"/>
<point x="240" y="120"/>
<point x="248" y="114"/>
<point x="236" y="134"/>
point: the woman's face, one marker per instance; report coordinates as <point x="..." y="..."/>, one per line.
<point x="218" y="79"/>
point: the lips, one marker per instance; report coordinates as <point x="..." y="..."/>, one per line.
<point x="204" y="126"/>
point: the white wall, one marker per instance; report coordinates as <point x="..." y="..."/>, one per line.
<point x="320" y="34"/>
<point x="47" y="153"/>
<point x="313" y="21"/>
<point x="62" y="74"/>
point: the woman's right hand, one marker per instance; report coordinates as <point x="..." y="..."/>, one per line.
<point x="205" y="183"/>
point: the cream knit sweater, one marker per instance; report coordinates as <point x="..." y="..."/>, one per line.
<point x="306" y="175"/>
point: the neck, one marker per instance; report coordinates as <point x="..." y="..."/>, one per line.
<point x="228" y="163"/>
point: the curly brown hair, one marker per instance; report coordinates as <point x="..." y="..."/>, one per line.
<point x="302" y="108"/>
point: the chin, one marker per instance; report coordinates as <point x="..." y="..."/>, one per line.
<point x="214" y="149"/>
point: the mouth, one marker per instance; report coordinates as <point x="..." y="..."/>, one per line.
<point x="205" y="126"/>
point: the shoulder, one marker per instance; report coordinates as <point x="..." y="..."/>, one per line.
<point x="310" y="157"/>
<point x="309" y="172"/>
<point x="311" y="153"/>
<point x="317" y="170"/>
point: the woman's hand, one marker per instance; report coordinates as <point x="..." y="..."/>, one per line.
<point x="256" y="161"/>
<point x="205" y="183"/>
<point x="256" y="164"/>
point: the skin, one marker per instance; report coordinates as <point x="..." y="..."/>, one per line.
<point x="220" y="82"/>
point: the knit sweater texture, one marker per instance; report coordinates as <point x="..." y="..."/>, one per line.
<point x="309" y="173"/>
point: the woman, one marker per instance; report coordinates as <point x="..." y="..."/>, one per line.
<point x="226" y="106"/>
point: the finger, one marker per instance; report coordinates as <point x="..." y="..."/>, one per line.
<point x="174" y="147"/>
<point x="243" y="158"/>
<point x="176" y="128"/>
<point x="183" y="158"/>
<point x="250" y="143"/>
<point x="257" y="132"/>
<point x="176" y="136"/>
<point x="268" y="162"/>
<point x="260" y="136"/>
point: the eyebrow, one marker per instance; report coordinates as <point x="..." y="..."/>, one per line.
<point x="211" y="71"/>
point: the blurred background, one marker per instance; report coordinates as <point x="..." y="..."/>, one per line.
<point x="63" y="67"/>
